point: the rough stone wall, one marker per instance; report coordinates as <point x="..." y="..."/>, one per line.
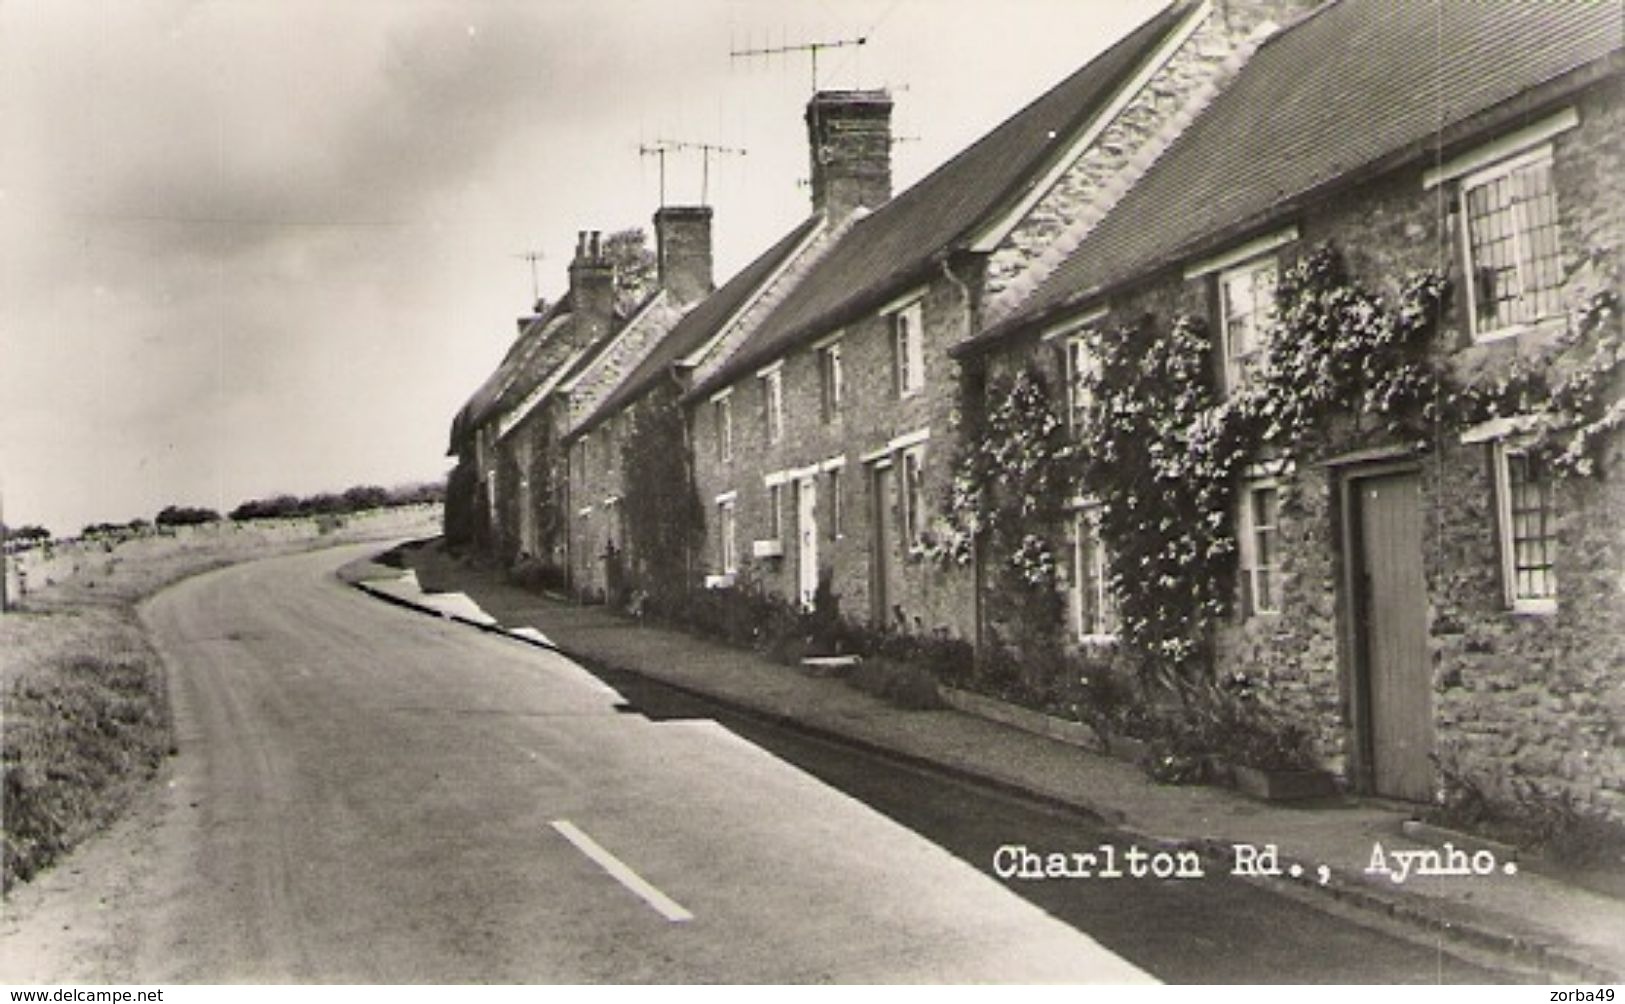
<point x="595" y="487"/>
<point x="1536" y="700"/>
<point x="1292" y="656"/>
<point x="1122" y="152"/>
<point x="926" y="596"/>
<point x="605" y="373"/>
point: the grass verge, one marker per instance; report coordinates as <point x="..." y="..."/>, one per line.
<point x="85" y="722"/>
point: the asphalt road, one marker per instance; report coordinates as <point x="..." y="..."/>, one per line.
<point x="366" y="794"/>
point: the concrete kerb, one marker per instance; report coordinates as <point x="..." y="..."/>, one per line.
<point x="424" y="608"/>
<point x="1397" y="913"/>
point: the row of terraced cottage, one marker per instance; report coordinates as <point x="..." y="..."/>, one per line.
<point x="1278" y="340"/>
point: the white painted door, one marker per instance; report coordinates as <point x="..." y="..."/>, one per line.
<point x="807" y="527"/>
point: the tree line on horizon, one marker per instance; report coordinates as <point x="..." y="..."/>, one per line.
<point x="359" y="498"/>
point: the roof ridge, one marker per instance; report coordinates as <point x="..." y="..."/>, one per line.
<point x="1078" y="120"/>
<point x="903" y="239"/>
<point x="1078" y="228"/>
<point x="1207" y="184"/>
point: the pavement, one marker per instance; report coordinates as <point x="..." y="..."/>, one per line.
<point x="1521" y="919"/>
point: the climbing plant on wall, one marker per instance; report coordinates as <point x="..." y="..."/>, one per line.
<point x="1571" y="388"/>
<point x="1011" y="484"/>
<point x="1161" y="460"/>
<point x="1165" y="452"/>
<point x="1161" y="451"/>
<point x="1342" y="363"/>
<point x="665" y="524"/>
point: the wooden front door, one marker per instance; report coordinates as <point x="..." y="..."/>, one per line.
<point x="880" y="537"/>
<point x="1391" y="635"/>
<point x="807" y="530"/>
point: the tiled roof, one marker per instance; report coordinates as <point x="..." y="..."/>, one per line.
<point x="900" y="242"/>
<point x="520" y="358"/>
<point x="651" y="323"/>
<point x="700" y="324"/>
<point x="1351" y="86"/>
<point x="527" y="366"/>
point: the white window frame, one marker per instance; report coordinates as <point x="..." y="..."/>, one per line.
<point x="1541" y="155"/>
<point x="1247" y="528"/>
<point x="1502" y="450"/>
<point x="1078" y="361"/>
<point x="907" y="329"/>
<point x="773" y="403"/>
<point x="911" y="508"/>
<point x="1086" y="531"/>
<point x="614" y="521"/>
<point x="724" y="420"/>
<point x="836" y="509"/>
<point x="1262" y="318"/>
<point x="831" y="382"/>
<point x="727" y="533"/>
<point x="775" y="510"/>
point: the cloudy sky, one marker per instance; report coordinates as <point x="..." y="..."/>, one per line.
<point x="256" y="246"/>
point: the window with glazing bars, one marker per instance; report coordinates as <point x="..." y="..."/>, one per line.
<point x="1529" y="532"/>
<point x="725" y="538"/>
<point x="1080" y="368"/>
<point x="1258" y="548"/>
<point x="1513" y="257"/>
<point x="1246" y="314"/>
<point x="773" y="404"/>
<point x="1094" y="606"/>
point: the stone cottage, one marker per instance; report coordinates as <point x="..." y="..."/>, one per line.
<point x="1398" y="231"/>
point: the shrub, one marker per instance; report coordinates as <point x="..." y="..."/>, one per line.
<point x="1225" y="720"/>
<point x="186" y="516"/>
<point x="904" y="684"/>
<point x="363" y="497"/>
<point x="537" y="575"/>
<point x="1566" y="830"/>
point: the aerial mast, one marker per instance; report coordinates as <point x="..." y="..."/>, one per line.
<point x="660" y="147"/>
<point x="535" y="282"/>
<point x="812" y="49"/>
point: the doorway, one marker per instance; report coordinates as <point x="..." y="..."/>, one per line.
<point x="1393" y="674"/>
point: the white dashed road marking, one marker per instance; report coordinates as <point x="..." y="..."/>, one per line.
<point x="663" y="904"/>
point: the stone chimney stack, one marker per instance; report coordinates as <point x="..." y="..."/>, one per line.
<point x="683" y="252"/>
<point x="592" y="289"/>
<point x="849" y="134"/>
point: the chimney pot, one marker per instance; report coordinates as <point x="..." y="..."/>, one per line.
<point x="592" y="291"/>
